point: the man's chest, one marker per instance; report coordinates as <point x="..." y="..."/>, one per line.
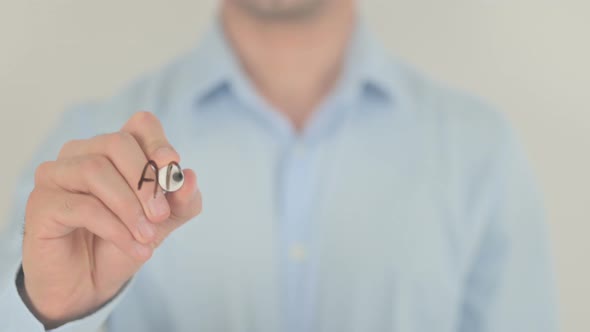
<point x="386" y="252"/>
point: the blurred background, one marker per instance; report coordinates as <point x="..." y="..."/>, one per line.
<point x="530" y="58"/>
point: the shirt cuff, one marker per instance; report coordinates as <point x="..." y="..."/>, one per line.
<point x="15" y="314"/>
<point x="18" y="317"/>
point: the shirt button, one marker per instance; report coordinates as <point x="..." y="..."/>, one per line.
<point x="297" y="253"/>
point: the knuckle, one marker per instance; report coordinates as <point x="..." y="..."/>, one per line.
<point x="42" y="171"/>
<point x="68" y="206"/>
<point x="116" y="141"/>
<point x="144" y="118"/>
<point x="93" y="165"/>
<point x="34" y="196"/>
<point x="68" y="148"/>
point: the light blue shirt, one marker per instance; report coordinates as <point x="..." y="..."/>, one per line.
<point x="403" y="206"/>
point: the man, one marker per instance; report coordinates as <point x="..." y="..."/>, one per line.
<point x="343" y="190"/>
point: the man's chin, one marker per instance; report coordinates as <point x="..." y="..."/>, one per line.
<point x="281" y="10"/>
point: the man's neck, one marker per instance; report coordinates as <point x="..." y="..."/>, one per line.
<point x="293" y="64"/>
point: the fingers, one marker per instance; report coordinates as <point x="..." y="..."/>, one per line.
<point x="70" y="211"/>
<point x="149" y="133"/>
<point x="185" y="204"/>
<point x="96" y="175"/>
<point x="110" y="167"/>
<point x="124" y="152"/>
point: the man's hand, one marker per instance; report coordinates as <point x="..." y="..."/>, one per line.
<point x="88" y="228"/>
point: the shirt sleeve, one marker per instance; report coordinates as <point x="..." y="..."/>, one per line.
<point x="20" y="318"/>
<point x="15" y="314"/>
<point x="509" y="283"/>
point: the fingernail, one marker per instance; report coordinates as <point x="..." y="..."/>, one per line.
<point x="146" y="229"/>
<point x="158" y="206"/>
<point x="143" y="251"/>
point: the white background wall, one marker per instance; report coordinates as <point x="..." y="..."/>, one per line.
<point x="529" y="57"/>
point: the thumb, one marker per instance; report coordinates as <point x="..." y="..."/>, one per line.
<point x="185" y="204"/>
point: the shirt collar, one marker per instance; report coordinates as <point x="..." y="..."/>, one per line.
<point x="368" y="68"/>
<point x="376" y="70"/>
<point x="214" y="62"/>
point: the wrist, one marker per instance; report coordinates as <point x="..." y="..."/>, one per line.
<point x="55" y="313"/>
